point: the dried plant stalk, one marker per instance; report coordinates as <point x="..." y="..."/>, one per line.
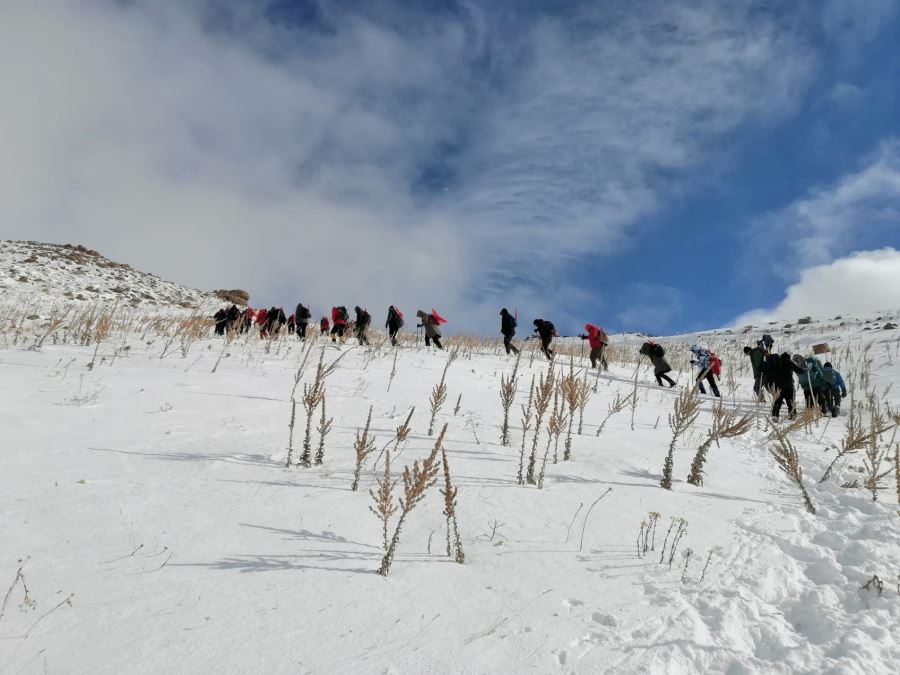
<point x="571" y="390"/>
<point x="543" y="394"/>
<point x="726" y="424"/>
<point x="384" y="498"/>
<point x="439" y="395"/>
<point x="323" y="429"/>
<point x="786" y="456"/>
<point x="454" y="545"/>
<point x="683" y="417"/>
<point x="416" y="481"/>
<point x="526" y="425"/>
<point x="508" y="390"/>
<point x="364" y="446"/>
<point x="617" y="405"/>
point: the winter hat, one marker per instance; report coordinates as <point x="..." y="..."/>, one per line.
<point x="827" y="364"/>
<point x="503" y="311"/>
<point x="798" y="360"/>
<point x="696" y="349"/>
<point x="588" y="327"/>
<point x="747" y="350"/>
<point x="536" y="322"/>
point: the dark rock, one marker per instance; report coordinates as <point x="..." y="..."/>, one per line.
<point x="805" y="321"/>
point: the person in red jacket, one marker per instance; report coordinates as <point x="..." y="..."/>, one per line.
<point x="324" y="326"/>
<point x="597" y="339"/>
<point x="262" y="320"/>
<point x="339" y="319"/>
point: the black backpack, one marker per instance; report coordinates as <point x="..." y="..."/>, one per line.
<point x="302" y="312"/>
<point x="771" y="366"/>
<point x="342" y="313"/>
<point x="658" y="351"/>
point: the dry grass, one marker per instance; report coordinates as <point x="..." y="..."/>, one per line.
<point x="786" y="456"/>
<point x="416" y="481"/>
<point x="726" y="424"/>
<point x="684" y="415"/>
<point x="364" y="446"/>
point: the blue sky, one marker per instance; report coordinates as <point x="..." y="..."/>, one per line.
<point x="656" y="166"/>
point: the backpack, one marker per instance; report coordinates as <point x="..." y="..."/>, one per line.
<point x="512" y="321"/>
<point x="551" y="328"/>
<point x="303" y="312"/>
<point x="715" y="364"/>
<point x="657" y="351"/>
<point x="366" y="318"/>
<point x="342" y="314"/>
<point x="828" y="374"/>
<point x="771" y="366"/>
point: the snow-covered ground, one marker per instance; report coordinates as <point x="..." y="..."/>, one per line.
<point x="147" y="503"/>
<point x="54" y="273"/>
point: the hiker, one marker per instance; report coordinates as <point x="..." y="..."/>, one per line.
<point x="781" y="383"/>
<point x="657" y="356"/>
<point x="394" y="323"/>
<point x="837" y="391"/>
<point x="546" y="330"/>
<point x="247" y="318"/>
<point x="597" y="339"/>
<point x="431" y="323"/>
<point x="262" y="317"/>
<point x="508" y="326"/>
<point x="221" y="318"/>
<point x="301" y="320"/>
<point x="275" y="319"/>
<point x="233" y="316"/>
<point x="757" y="356"/>
<point x="324" y="326"/>
<point x="813" y="382"/>
<point x="291" y="324"/>
<point x="710" y="368"/>
<point x="363" y="319"/>
<point x="339" y="318"/>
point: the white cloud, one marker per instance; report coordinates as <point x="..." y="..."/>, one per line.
<point x="856" y="212"/>
<point x="286" y="160"/>
<point x="866" y="281"/>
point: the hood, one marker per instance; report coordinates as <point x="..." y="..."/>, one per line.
<point x="696" y="349"/>
<point x="421" y="314"/>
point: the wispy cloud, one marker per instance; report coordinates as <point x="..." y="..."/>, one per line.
<point x="856" y="212"/>
<point x="454" y="160"/>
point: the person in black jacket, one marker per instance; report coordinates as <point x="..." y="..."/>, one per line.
<point x="363" y="319"/>
<point x="546" y="330"/>
<point x="301" y="320"/>
<point x="221" y="318"/>
<point x="275" y="319"/>
<point x="394" y="323"/>
<point x="657" y="355"/>
<point x="508" y="325"/>
<point x="781" y="382"/>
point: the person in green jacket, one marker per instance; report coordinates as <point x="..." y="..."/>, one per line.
<point x="813" y="381"/>
<point x="757" y="359"/>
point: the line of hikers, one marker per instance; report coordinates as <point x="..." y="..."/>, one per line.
<point x="271" y="321"/>
<point x="822" y="385"/>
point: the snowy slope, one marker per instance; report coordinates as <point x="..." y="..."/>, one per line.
<point x="58" y="273"/>
<point x="154" y="490"/>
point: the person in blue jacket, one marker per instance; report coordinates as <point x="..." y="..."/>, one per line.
<point x="836" y="392"/>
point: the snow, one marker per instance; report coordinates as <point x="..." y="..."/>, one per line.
<point x="154" y="491"/>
